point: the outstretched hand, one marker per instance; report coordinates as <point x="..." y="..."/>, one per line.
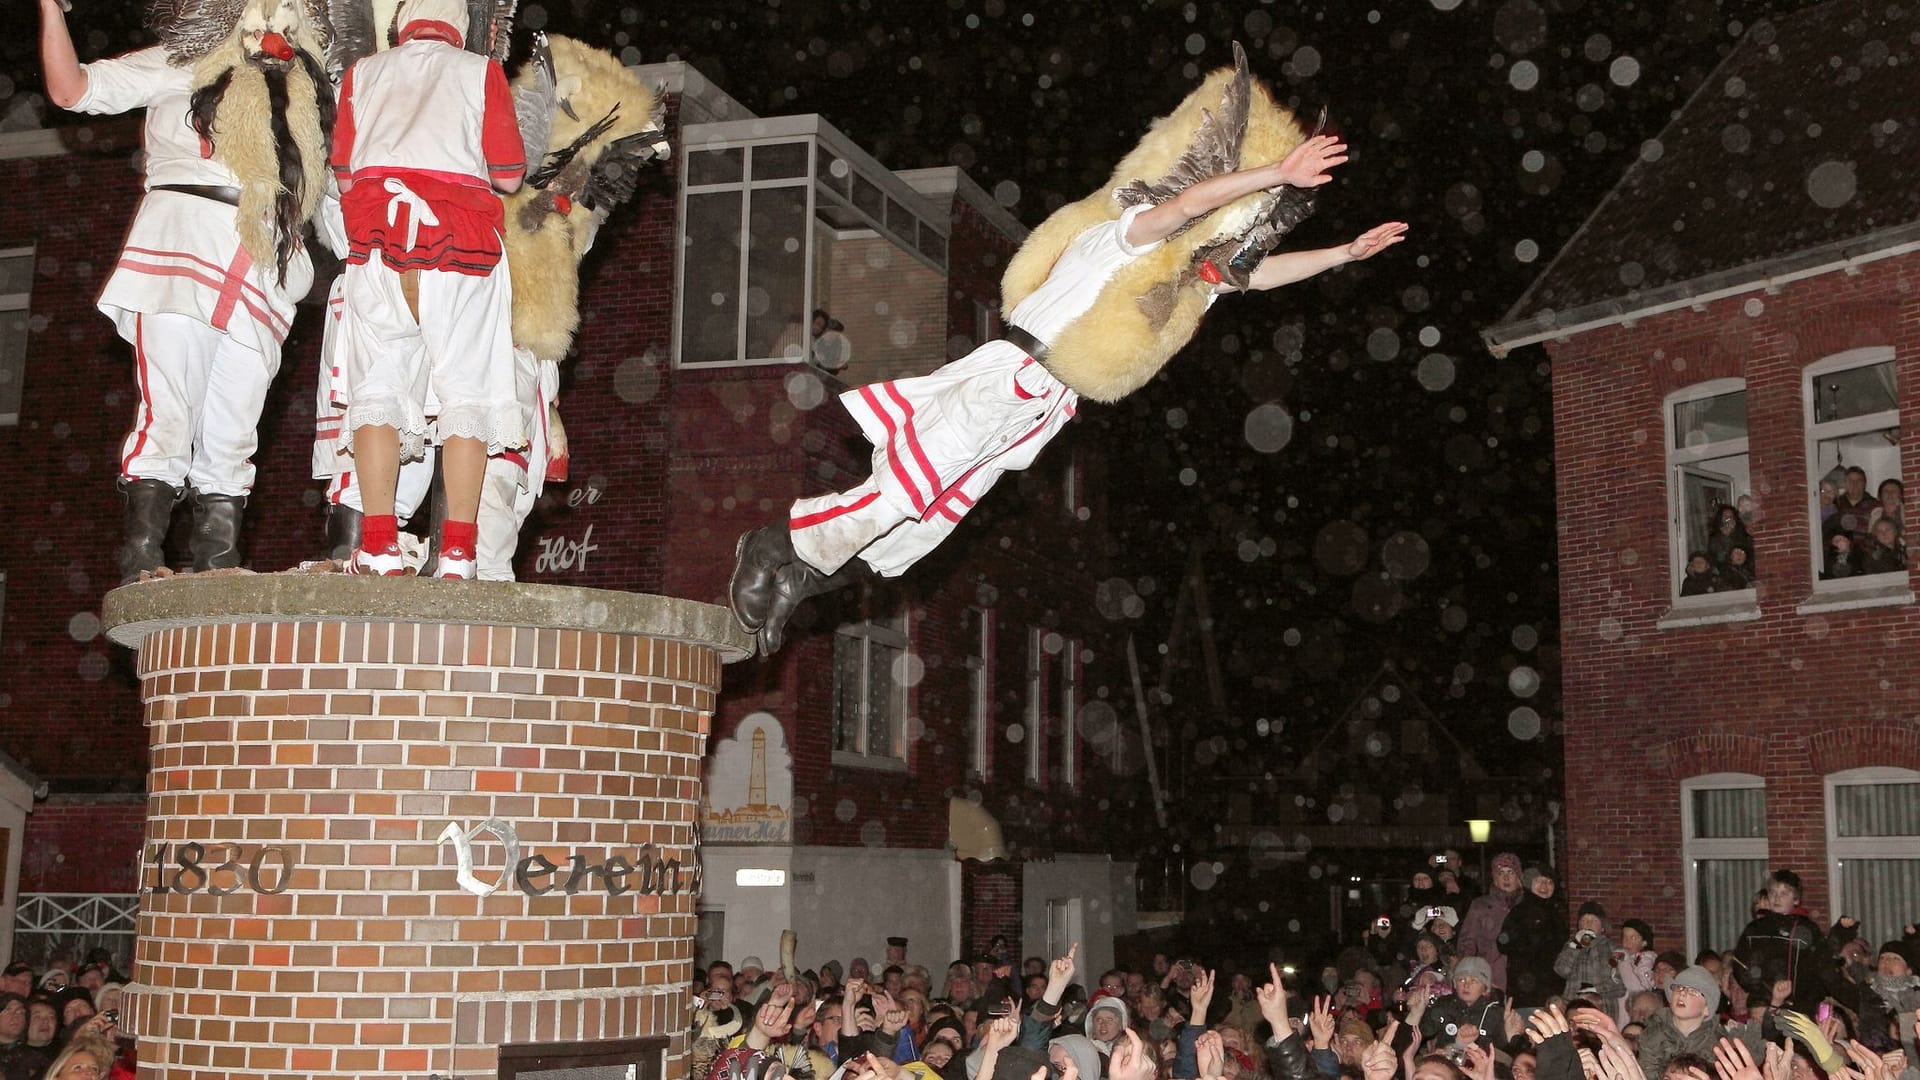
<point x="1307" y="165"/>
<point x="1376" y="240"/>
<point x="1272" y="999"/>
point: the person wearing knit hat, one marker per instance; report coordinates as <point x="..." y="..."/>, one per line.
<point x="1473" y="1003"/>
<point x="1633" y="963"/>
<point x="1480" y="931"/>
<point x="1687" y="1026"/>
<point x="1586" y="961"/>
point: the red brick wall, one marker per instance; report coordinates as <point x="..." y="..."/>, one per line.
<point x="83" y="844"/>
<point x="990" y="897"/>
<point x="1790" y="697"/>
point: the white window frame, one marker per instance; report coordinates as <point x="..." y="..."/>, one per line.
<point x="1694" y="849"/>
<point x="1036" y="715"/>
<point x="869" y="633"/>
<point x="1678" y="456"/>
<point x="1840" y="849"/>
<point x="1070" y="714"/>
<point x="745" y="186"/>
<point x="980" y="684"/>
<point x="1818" y="433"/>
<point x="11" y="302"/>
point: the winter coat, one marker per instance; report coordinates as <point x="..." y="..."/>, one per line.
<point x="1636" y="974"/>
<point x="1591" y="965"/>
<point x="1480" y="932"/>
<point x="1661" y="1041"/>
<point x="1776" y="946"/>
<point x="1531" y="938"/>
<point x="1287" y="1058"/>
<point x="1447" y="1015"/>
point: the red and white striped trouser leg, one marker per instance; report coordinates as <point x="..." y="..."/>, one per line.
<point x="171" y="357"/>
<point x="832" y="528"/>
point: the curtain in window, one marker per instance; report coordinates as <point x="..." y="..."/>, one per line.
<point x="1876" y="809"/>
<point x="1721" y="813"/>
<point x="1725" y="889"/>
<point x="1884" y="894"/>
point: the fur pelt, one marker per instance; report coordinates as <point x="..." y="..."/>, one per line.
<point x="190" y="29"/>
<point x="1151" y="308"/>
<point x="234" y="101"/>
<point x="548" y="229"/>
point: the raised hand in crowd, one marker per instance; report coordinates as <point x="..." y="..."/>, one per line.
<point x="850" y="1011"/>
<point x="1596" y="1022"/>
<point x="1510" y="1020"/>
<point x="1617" y="1061"/>
<point x="1479" y="1064"/>
<point x="1545" y="1024"/>
<point x="1131" y="1060"/>
<point x="1060" y="974"/>
<point x="774" y="1020"/>
<point x="1320" y="1024"/>
<point x="1864" y="1064"/>
<point x="1779" y="1062"/>
<point x="891" y="1014"/>
<point x="1377" y="1061"/>
<point x="1201" y="995"/>
<point x="1271" y="996"/>
<point x="1211" y="1053"/>
<point x="1000" y="1035"/>
<point x="1733" y="1061"/>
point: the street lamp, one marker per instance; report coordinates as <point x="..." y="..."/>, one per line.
<point x="1480" y="830"/>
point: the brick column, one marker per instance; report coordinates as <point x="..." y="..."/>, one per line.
<point x="326" y="749"/>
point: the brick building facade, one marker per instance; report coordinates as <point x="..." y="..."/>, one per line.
<point x="1738" y="325"/>
<point x="682" y="436"/>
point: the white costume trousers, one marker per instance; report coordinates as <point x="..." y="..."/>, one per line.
<point x="201" y="392"/>
<point x="940" y="442"/>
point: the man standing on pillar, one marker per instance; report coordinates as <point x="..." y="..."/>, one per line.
<point x="1098" y="299"/>
<point x="238" y="107"/>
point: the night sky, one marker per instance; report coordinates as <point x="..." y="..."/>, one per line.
<point x="1368" y="484"/>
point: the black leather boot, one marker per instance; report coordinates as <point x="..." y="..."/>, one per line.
<point x="343" y="531"/>
<point x="794" y="584"/>
<point x="216" y="530"/>
<point x="757" y="557"/>
<point x="149" y="514"/>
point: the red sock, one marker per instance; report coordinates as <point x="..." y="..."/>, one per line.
<point x="378" y="532"/>
<point x="458" y="536"/>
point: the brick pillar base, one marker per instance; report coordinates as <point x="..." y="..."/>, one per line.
<point x="396" y="826"/>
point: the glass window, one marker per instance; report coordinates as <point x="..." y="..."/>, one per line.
<point x="16" y="324"/>
<point x="901" y="222"/>
<point x="980" y="686"/>
<point x="831" y="171"/>
<point x="868" y="199"/>
<point x="715" y="166"/>
<point x="932" y="244"/>
<point x="1710" y="475"/>
<point x="780" y="161"/>
<point x="869" y="694"/>
<point x="776" y="269"/>
<point x="1070" y="713"/>
<point x="1035" y="733"/>
<point x="1724" y="846"/>
<point x="1873" y="840"/>
<point x="1854" y="482"/>
<point x="710" y="293"/>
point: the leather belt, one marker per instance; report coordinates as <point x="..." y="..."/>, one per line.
<point x="228" y="195"/>
<point x="1025" y="342"/>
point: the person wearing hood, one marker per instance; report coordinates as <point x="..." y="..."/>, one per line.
<point x="1107" y="1021"/>
<point x="1078" y="1050"/>
<point x="1689" y="1024"/>
<point x="1530" y="937"/>
<point x="1891" y="997"/>
<point x="1480" y="932"/>
<point x="1587" y="960"/>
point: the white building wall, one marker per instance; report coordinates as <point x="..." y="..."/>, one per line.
<point x="848" y="901"/>
<point x="755" y="915"/>
<point x="1088" y="898"/>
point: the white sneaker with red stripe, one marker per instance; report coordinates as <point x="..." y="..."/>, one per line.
<point x="388" y="562"/>
<point x="456" y="563"/>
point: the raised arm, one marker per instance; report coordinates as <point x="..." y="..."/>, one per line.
<point x="1306" y="167"/>
<point x="66" y="79"/>
<point x="1287" y="267"/>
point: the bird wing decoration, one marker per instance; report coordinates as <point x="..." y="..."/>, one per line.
<point x="356" y="33"/>
<point x="190" y="29"/>
<point x="496" y="16"/>
<point x="617" y="173"/>
<point x="533" y="99"/>
<point x="1215" y="149"/>
<point x="558" y="160"/>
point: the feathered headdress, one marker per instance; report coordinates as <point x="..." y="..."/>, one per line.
<point x="1151" y="308"/>
<point x="190" y="29"/>
<point x="590" y="125"/>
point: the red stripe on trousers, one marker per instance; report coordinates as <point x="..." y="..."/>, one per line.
<point x="913" y="441"/>
<point x="146" y="396"/>
<point x="893" y="450"/>
<point x="823" y="516"/>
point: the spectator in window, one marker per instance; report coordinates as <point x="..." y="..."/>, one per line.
<point x="1854" y="507"/>
<point x="1885" y="552"/>
<point x="1699" y="579"/>
<point x="1829" y="513"/>
<point x="1737" y="573"/>
<point x="1843" y="559"/>
<point x="1726" y="533"/>
<point x="1749" y="510"/>
<point x="1893" y="502"/>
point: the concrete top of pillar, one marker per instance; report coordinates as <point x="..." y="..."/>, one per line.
<point x="131" y="612"/>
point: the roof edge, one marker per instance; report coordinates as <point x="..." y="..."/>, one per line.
<point x="1838" y="255"/>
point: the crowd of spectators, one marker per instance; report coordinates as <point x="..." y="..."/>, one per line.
<point x="1455" y="984"/>
<point x="63" y="1023"/>
<point x="1862" y="533"/>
